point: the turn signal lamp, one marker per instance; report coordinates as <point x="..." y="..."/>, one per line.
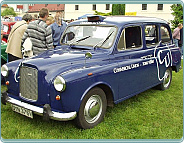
<point x="90" y="74"/>
<point x="58" y="97"/>
<point x="7" y="83"/>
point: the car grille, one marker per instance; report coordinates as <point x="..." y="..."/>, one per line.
<point x="29" y="83"/>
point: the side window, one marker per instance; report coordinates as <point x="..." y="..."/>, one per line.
<point x="151" y="35"/>
<point x="133" y="37"/>
<point x="165" y="36"/>
<point x="130" y="38"/>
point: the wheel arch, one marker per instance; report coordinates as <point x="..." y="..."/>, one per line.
<point x="107" y="90"/>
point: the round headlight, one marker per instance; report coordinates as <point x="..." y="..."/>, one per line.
<point x="4" y="70"/>
<point x="59" y="83"/>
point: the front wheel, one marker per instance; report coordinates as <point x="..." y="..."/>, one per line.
<point x="167" y="80"/>
<point x="92" y="109"/>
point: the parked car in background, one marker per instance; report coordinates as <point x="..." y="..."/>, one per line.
<point x="101" y="61"/>
<point x="3" y="53"/>
<point x="7" y="26"/>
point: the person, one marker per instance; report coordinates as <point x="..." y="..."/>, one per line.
<point x="176" y="34"/>
<point x="58" y="28"/>
<point x="50" y="20"/>
<point x="71" y="20"/>
<point x="180" y="42"/>
<point x="152" y="32"/>
<point x="15" y="37"/>
<point x="1" y="35"/>
<point x="39" y="33"/>
<point x="35" y="17"/>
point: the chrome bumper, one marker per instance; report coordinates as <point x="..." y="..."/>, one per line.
<point x="45" y="111"/>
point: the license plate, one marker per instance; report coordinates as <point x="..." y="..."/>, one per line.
<point x="23" y="111"/>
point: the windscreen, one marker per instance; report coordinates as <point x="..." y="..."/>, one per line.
<point x="87" y="35"/>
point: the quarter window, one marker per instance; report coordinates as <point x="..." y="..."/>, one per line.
<point x="165" y="36"/>
<point x="130" y="38"/>
<point x="151" y="35"/>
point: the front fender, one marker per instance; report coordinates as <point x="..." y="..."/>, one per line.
<point x="94" y="85"/>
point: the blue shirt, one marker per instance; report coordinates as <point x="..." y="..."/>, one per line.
<point x="57" y="31"/>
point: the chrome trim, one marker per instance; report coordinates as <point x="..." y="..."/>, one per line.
<point x="39" y="111"/>
<point x="28" y="83"/>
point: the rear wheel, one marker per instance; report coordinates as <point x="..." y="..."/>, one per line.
<point x="167" y="80"/>
<point x="92" y="109"/>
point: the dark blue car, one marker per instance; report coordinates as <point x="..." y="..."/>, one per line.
<point x="101" y="62"/>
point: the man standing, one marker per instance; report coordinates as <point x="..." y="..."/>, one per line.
<point x="176" y="34"/>
<point x="180" y="42"/>
<point x="39" y="33"/>
<point x="15" y="37"/>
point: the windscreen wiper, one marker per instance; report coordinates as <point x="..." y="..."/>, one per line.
<point x="103" y="41"/>
<point x="77" y="41"/>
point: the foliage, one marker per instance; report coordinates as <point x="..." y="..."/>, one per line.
<point x="103" y="14"/>
<point x="153" y="114"/>
<point x="178" y="15"/>
<point x="8" y="12"/>
<point x="118" y="9"/>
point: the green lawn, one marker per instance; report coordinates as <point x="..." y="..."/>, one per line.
<point x="153" y="114"/>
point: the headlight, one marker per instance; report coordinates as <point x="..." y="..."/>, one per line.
<point x="59" y="83"/>
<point x="4" y="70"/>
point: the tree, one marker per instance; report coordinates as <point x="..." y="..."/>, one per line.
<point x="118" y="9"/>
<point x="103" y="14"/>
<point x="8" y="12"/>
<point x="178" y="15"/>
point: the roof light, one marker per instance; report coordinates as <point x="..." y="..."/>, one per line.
<point x="95" y="18"/>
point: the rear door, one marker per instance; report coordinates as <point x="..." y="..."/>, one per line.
<point x="135" y="62"/>
<point x="163" y="53"/>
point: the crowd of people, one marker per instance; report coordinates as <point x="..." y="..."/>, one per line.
<point x="45" y="33"/>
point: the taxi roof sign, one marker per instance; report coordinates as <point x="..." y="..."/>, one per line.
<point x="95" y="18"/>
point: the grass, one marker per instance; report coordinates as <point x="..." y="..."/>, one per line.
<point x="153" y="114"/>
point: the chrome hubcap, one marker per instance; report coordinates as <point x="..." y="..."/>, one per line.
<point x="167" y="78"/>
<point x="93" y="109"/>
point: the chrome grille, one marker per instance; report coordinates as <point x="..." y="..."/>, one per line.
<point x="29" y="83"/>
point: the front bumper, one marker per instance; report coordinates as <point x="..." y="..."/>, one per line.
<point x="46" y="111"/>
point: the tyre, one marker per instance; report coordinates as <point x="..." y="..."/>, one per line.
<point x="167" y="80"/>
<point x="92" y="109"/>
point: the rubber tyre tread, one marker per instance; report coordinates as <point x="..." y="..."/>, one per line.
<point x="80" y="119"/>
<point x="161" y="86"/>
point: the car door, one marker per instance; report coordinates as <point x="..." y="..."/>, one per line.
<point x="162" y="52"/>
<point x="135" y="62"/>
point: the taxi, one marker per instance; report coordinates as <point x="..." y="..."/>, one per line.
<point x="102" y="61"/>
